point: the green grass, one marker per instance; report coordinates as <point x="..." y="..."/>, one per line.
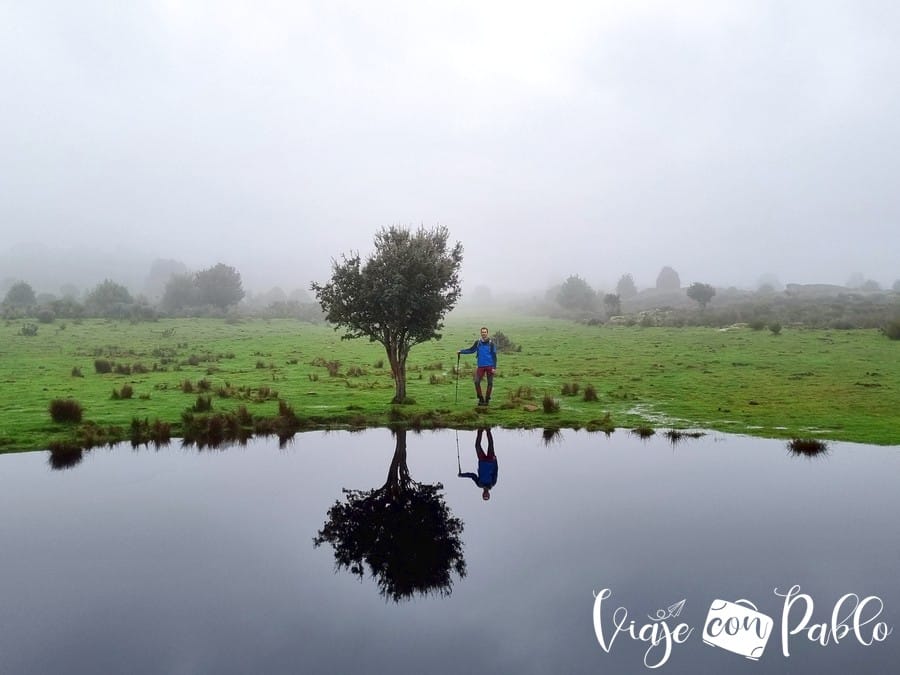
<point x="836" y="385"/>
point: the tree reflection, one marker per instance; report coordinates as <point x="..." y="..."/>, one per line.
<point x="403" y="531"/>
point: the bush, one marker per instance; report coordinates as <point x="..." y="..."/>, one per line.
<point x="570" y="389"/>
<point x="46" y="315"/>
<point x="757" y="324"/>
<point x="187" y="387"/>
<point x="892" y="329"/>
<point x="76" y="372"/>
<point x="29" y="330"/>
<point x="590" y="393"/>
<point x="203" y="404"/>
<point x="551" y="405"/>
<point x="65" y="411"/>
<point x="126" y="392"/>
<point x="504" y="344"/>
<point x="775" y="327"/>
<point x="102" y="366"/>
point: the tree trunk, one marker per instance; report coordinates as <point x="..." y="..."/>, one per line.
<point x="397" y="359"/>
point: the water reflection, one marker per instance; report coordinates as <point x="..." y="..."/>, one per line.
<point x="807" y="447"/>
<point x="403" y="531"/>
<point x="486" y="478"/>
<point x="65" y="458"/>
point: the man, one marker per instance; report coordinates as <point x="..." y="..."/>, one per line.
<point x="486" y="478"/>
<point x="485" y="365"/>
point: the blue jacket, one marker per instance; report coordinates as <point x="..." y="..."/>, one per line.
<point x="487" y="352"/>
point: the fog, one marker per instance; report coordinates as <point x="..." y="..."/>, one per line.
<point x="726" y="139"/>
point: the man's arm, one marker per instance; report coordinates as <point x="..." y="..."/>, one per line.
<point x="470" y="350"/>
<point x="473" y="476"/>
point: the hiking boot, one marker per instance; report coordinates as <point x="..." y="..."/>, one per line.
<point x="481" y="400"/>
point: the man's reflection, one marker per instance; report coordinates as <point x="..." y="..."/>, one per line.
<point x="486" y="478"/>
<point x="403" y="532"/>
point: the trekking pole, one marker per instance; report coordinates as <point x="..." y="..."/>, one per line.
<point x="458" y="465"/>
<point x="456" y="396"/>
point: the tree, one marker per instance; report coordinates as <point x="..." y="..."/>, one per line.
<point x="625" y="288"/>
<point x="668" y="280"/>
<point x="896" y="286"/>
<point x="575" y="293"/>
<point x="161" y="270"/>
<point x="613" y="304"/>
<point x="398" y="297"/>
<point x="20" y="294"/>
<point x="403" y="531"/>
<point x="219" y="286"/>
<point x="108" y="299"/>
<point x="180" y="292"/>
<point x="702" y="293"/>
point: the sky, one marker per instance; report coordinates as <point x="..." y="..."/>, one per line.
<point x="726" y="139"/>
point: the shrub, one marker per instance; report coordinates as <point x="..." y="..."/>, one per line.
<point x="643" y="432"/>
<point x="775" y="327"/>
<point x="123" y="369"/>
<point x="504" y="344"/>
<point x="757" y="324"/>
<point x="590" y="393"/>
<point x="187" y="387"/>
<point x="29" y="330"/>
<point x="570" y="389"/>
<point x="102" y="366"/>
<point x="378" y="364"/>
<point x="333" y="368"/>
<point x="65" y="410"/>
<point x="76" y="372"/>
<point x="203" y="404"/>
<point x="551" y="405"/>
<point x="260" y="364"/>
<point x="139" y="368"/>
<point x="892" y="329"/>
<point x="355" y="371"/>
<point x="436" y="379"/>
<point x="126" y="392"/>
<point x="46" y="315"/>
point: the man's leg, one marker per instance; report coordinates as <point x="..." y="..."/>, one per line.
<point x="478" y="374"/>
<point x="490" y="379"/>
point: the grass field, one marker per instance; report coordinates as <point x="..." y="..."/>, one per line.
<point x="840" y="385"/>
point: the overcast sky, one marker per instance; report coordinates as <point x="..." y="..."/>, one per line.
<point x="726" y="139"/>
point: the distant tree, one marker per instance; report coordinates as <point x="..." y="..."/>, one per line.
<point x="161" y="270"/>
<point x="870" y="285"/>
<point x="398" y="297"/>
<point x="575" y="293"/>
<point x="300" y="295"/>
<point x="896" y="286"/>
<point x="108" y="299"/>
<point x="404" y="532"/>
<point x="702" y="293"/>
<point x="219" y="286"/>
<point x="625" y="288"/>
<point x="20" y="294"/>
<point x="613" y="304"/>
<point x="180" y="293"/>
<point x="668" y="280"/>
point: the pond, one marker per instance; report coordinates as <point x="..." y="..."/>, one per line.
<point x="593" y="554"/>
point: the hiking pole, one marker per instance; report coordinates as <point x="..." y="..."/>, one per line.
<point x="456" y="397"/>
<point x="458" y="465"/>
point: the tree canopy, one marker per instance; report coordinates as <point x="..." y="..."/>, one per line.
<point x="219" y="286"/>
<point x="702" y="293"/>
<point x="668" y="280"/>
<point x="398" y="297"/>
<point x="625" y="288"/>
<point x="576" y="293"/>
<point x="404" y="532"/>
<point x="108" y="299"/>
<point x="20" y="294"/>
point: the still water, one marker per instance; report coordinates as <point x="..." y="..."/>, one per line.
<point x="178" y="560"/>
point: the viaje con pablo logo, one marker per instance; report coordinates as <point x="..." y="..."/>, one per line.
<point x="739" y="627"/>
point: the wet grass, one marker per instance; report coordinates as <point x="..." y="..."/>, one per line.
<point x="832" y="385"/>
